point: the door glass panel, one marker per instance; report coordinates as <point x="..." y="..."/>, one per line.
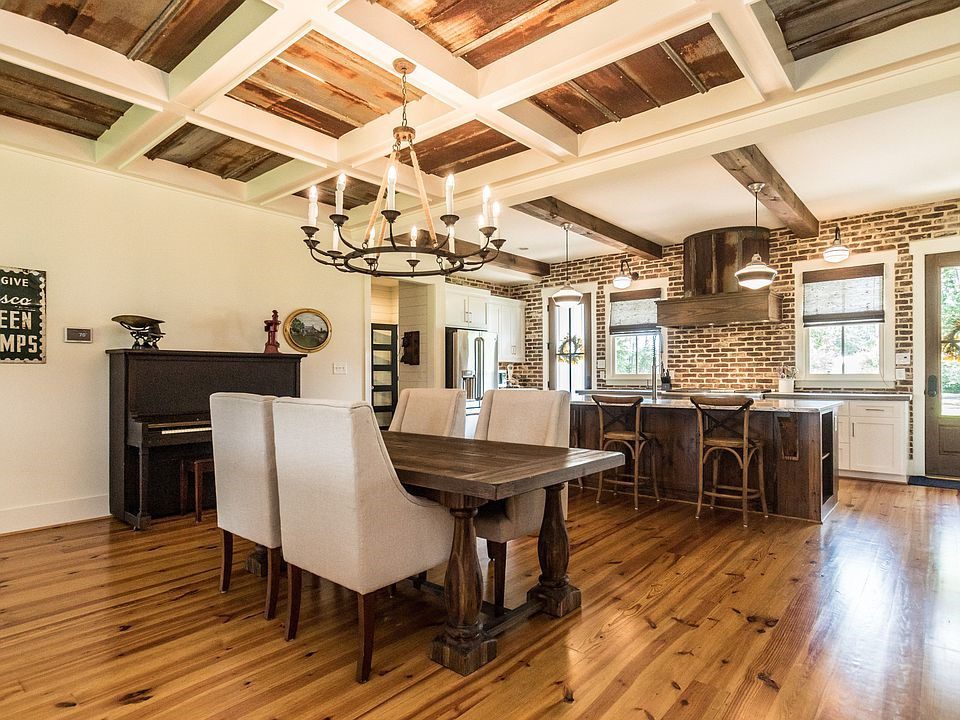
<point x="382" y="398"/>
<point x="381" y="337"/>
<point x="382" y="357"/>
<point x="571" y="369"/>
<point x="382" y="377"/>
<point x="950" y="340"/>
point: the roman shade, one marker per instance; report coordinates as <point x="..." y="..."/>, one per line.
<point x="843" y="295"/>
<point x="633" y="311"/>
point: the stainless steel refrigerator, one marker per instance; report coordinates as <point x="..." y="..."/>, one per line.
<point x="471" y="360"/>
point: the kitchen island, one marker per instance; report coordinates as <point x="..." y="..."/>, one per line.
<point x="799" y="436"/>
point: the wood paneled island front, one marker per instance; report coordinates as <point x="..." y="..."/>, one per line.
<point x="800" y="462"/>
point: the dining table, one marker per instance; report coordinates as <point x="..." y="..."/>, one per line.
<point x="463" y="475"/>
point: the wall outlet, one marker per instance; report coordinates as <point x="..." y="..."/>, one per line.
<point x="902" y="358"/>
<point x="900" y="373"/>
<point x="77" y="335"/>
<point x="339" y="368"/>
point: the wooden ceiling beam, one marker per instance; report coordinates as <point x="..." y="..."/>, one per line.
<point x="505" y="260"/>
<point x="749" y="165"/>
<point x="557" y="212"/>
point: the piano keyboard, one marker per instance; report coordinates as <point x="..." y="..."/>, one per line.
<point x="183" y="430"/>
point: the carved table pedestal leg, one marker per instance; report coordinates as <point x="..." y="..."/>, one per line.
<point x="554" y="590"/>
<point x="462" y="646"/>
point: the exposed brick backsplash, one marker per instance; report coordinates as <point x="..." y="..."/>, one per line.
<point x="745" y="355"/>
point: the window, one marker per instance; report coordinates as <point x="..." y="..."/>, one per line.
<point x="570" y="351"/>
<point x="843" y="322"/>
<point x="634" y="338"/>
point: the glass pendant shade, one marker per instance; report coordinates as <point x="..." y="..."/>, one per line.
<point x="836" y="251"/>
<point x="623" y="279"/>
<point x="757" y="274"/>
<point x="566" y="297"/>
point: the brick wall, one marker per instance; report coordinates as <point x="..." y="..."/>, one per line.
<point x="747" y="355"/>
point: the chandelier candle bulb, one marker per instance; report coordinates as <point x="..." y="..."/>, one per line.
<point x="450" y="234"/>
<point x="485" y="210"/>
<point x="392" y="188"/>
<point x="341" y="185"/>
<point x="313" y="209"/>
<point x="449" y="194"/>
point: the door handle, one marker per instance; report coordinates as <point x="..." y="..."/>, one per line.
<point x="932" y="386"/>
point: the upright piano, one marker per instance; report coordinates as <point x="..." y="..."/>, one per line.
<point x="160" y="413"/>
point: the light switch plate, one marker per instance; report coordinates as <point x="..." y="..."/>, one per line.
<point x="900" y="373"/>
<point x="903" y="358"/>
<point x="339" y="368"/>
<point x="77" y="335"/>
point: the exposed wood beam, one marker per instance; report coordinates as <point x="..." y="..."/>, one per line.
<point x="505" y="260"/>
<point x="583" y="223"/>
<point x="749" y="165"/>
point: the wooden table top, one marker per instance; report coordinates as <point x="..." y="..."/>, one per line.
<point x="489" y="470"/>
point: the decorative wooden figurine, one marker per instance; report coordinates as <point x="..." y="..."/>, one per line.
<point x="270" y="327"/>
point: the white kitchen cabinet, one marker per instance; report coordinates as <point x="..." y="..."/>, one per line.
<point x="877" y="445"/>
<point x="466" y="308"/>
<point x="506" y="318"/>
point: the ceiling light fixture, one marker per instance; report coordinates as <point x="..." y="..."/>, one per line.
<point x="836" y="251"/>
<point x="378" y="238"/>
<point x="757" y="274"/>
<point x="566" y="297"/>
<point x="623" y="279"/>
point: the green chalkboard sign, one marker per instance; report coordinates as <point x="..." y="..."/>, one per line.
<point x="23" y="302"/>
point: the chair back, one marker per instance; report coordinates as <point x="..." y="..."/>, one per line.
<point x="431" y="411"/>
<point x="339" y="493"/>
<point x="531" y="417"/>
<point x="619" y="410"/>
<point x="244" y="466"/>
<point x="723" y="416"/>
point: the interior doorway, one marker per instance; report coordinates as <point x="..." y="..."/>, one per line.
<point x="942" y="371"/>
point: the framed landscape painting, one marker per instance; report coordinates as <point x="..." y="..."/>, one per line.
<point x="307" y="330"/>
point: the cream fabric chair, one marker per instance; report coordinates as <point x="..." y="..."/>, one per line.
<point x="344" y="514"/>
<point x="246" y="480"/>
<point x="430" y="411"/>
<point x="531" y="417"/>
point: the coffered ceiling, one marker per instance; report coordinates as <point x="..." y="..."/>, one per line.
<point x="536" y="98"/>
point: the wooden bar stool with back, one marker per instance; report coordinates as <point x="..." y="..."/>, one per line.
<point x="723" y="426"/>
<point x="622" y="412"/>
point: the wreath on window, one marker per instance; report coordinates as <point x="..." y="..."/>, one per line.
<point x="570" y="350"/>
<point x="951" y="344"/>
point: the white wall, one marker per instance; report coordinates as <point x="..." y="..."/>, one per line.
<point x="213" y="270"/>
<point x="384" y="301"/>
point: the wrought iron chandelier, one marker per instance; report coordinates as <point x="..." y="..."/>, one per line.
<point x="379" y="240"/>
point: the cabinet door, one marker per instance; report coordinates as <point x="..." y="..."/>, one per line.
<point x="518" y="332"/>
<point x="877" y="445"/>
<point x="477" y="312"/>
<point x="843" y="456"/>
<point x="456" y="309"/>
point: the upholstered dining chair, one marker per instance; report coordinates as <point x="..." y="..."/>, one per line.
<point x="344" y="514"/>
<point x="246" y="481"/>
<point x="531" y="417"/>
<point x="430" y="411"/>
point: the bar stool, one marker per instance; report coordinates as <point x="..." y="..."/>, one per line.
<point x="200" y="466"/>
<point x="625" y="410"/>
<point x="718" y="418"/>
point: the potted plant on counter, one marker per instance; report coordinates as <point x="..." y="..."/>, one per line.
<point x="788" y="376"/>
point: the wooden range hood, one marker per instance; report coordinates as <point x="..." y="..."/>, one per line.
<point x="711" y="295"/>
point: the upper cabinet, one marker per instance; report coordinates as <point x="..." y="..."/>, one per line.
<point x="506" y="317"/>
<point x="467" y="308"/>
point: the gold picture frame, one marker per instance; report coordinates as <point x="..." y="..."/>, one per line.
<point x="307" y="330"/>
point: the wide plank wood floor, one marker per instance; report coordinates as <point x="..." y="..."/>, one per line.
<point x="858" y="618"/>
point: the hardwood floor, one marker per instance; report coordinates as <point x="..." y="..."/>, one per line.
<point x="858" y="618"/>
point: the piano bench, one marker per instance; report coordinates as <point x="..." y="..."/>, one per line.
<point x="199" y="466"/>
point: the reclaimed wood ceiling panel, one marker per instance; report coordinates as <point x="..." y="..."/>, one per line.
<point x="692" y="62"/>
<point x="161" y="33"/>
<point x="810" y="27"/>
<point x="356" y="193"/>
<point x="482" y="31"/>
<point x="44" y="100"/>
<point x="206" y="150"/>
<point x="323" y="85"/>
<point x="461" y="148"/>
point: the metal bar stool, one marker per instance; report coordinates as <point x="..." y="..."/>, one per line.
<point x="625" y="410"/>
<point x="717" y="433"/>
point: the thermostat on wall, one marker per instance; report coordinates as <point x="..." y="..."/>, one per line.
<point x="80" y="335"/>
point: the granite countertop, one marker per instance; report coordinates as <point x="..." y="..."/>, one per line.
<point x="796" y="406"/>
<point x="839" y="395"/>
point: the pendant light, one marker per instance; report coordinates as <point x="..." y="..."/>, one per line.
<point x="623" y="279"/>
<point x="757" y="274"/>
<point x="566" y="297"/>
<point x="836" y="251"/>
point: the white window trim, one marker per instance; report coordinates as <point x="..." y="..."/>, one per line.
<point x="886" y="377"/>
<point x="545" y="295"/>
<point x="642" y="379"/>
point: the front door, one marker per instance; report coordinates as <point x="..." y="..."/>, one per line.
<point x="942" y="345"/>
<point x="384" y="371"/>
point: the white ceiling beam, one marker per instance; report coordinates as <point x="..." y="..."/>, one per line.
<point x="538" y="130"/>
<point x="138" y="130"/>
<point x="745" y="39"/>
<point x="46" y="142"/>
<point x="286" y="180"/>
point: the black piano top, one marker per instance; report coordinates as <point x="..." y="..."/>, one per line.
<point x="204" y="353"/>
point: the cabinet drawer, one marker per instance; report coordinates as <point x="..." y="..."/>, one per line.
<point x="876" y="409"/>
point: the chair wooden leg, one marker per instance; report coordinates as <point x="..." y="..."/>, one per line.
<point x="716" y="479"/>
<point x="700" y="483"/>
<point x="274" y="560"/>
<point x="366" y="612"/>
<point x="763" y="492"/>
<point x="294" y="582"/>
<point x="599" y="486"/>
<point x="419" y="580"/>
<point x="198" y="492"/>
<point x="743" y="499"/>
<point x="392" y="590"/>
<point x="498" y="554"/>
<point x="636" y="476"/>
<point x="653" y="471"/>
<point x="226" y="559"/>
<point x="183" y="487"/>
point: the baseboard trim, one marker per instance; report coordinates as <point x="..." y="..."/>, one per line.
<point x="33" y="517"/>
<point x="879" y="477"/>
